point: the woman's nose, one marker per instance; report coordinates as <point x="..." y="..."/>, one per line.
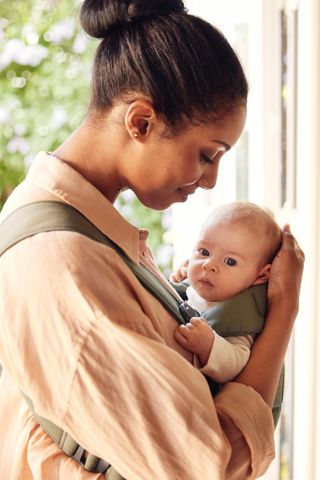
<point x="209" y="176"/>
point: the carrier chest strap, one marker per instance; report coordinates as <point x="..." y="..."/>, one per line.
<point x="68" y="444"/>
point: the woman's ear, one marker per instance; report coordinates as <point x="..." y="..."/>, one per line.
<point x="139" y="119"/>
<point x="263" y="275"/>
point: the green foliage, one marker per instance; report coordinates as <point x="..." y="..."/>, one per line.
<point x="44" y="83"/>
<point x="45" y="69"/>
<point x="154" y="221"/>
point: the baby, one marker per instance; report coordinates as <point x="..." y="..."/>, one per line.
<point x="235" y="249"/>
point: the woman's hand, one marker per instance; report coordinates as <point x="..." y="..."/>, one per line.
<point x="263" y="369"/>
<point x="285" y="274"/>
<point x="180" y="274"/>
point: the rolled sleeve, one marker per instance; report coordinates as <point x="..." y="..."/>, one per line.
<point x="247" y="422"/>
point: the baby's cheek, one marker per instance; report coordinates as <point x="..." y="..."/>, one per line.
<point x="190" y="269"/>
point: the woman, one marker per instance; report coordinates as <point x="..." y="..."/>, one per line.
<point x="80" y="335"/>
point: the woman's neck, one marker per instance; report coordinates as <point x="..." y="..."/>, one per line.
<point x="84" y="152"/>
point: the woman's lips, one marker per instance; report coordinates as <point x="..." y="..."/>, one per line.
<point x="185" y="193"/>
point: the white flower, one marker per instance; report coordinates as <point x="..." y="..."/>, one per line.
<point x="80" y="43"/>
<point x="28" y="160"/>
<point x="19" y="129"/>
<point x="18" y="144"/>
<point x="4" y="115"/>
<point x="127" y="195"/>
<point x="59" y="117"/>
<point x="30" y="34"/>
<point x="13" y="103"/>
<point x="164" y="254"/>
<point x="33" y="55"/>
<point x="166" y="220"/>
<point x="16" y="51"/>
<point x="10" y="52"/>
<point x="63" y="30"/>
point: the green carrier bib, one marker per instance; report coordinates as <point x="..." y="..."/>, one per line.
<point x="47" y="216"/>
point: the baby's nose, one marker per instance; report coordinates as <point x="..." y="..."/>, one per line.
<point x="210" y="264"/>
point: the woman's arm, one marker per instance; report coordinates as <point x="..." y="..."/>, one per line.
<point x="267" y="355"/>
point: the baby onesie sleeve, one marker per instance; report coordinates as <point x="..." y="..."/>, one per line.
<point x="228" y="357"/>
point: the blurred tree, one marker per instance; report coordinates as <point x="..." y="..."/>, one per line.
<point x="45" y="69"/>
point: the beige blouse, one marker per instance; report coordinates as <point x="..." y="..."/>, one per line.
<point x="96" y="353"/>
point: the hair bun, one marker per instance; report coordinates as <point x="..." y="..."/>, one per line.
<point x="98" y="17"/>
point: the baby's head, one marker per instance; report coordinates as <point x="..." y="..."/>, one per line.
<point x="235" y="249"/>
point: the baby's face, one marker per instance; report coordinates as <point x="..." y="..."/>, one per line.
<point x="226" y="260"/>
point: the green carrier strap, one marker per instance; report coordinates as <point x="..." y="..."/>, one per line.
<point x="70" y="446"/>
<point x="48" y="216"/>
<point x="51" y="216"/>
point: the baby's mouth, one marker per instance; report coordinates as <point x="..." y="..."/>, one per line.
<point x="206" y="282"/>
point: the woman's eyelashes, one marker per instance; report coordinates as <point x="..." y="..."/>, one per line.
<point x="210" y="159"/>
<point x="206" y="159"/>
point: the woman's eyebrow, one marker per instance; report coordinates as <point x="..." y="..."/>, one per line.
<point x="222" y="143"/>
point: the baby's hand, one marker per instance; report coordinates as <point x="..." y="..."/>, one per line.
<point x="181" y="273"/>
<point x="197" y="337"/>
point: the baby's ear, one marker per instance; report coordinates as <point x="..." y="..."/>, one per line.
<point x="263" y="275"/>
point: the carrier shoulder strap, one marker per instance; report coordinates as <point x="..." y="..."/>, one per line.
<point x="48" y="216"/>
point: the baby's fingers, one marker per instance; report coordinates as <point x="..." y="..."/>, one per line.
<point x="181" y="334"/>
<point x="182" y="340"/>
<point x="197" y="321"/>
<point x="179" y="275"/>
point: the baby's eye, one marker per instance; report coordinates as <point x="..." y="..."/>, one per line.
<point x="204" y="252"/>
<point x="230" y="261"/>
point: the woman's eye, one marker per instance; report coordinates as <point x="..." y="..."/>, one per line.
<point x="204" y="252"/>
<point x="217" y="154"/>
<point x="206" y="159"/>
<point x="230" y="261"/>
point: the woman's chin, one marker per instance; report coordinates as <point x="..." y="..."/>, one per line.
<point x="156" y="203"/>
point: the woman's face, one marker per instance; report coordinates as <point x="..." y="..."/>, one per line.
<point x="167" y="170"/>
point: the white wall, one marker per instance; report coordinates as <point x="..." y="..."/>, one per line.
<point x="307" y="385"/>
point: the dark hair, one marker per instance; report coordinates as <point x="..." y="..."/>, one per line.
<point x="154" y="47"/>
